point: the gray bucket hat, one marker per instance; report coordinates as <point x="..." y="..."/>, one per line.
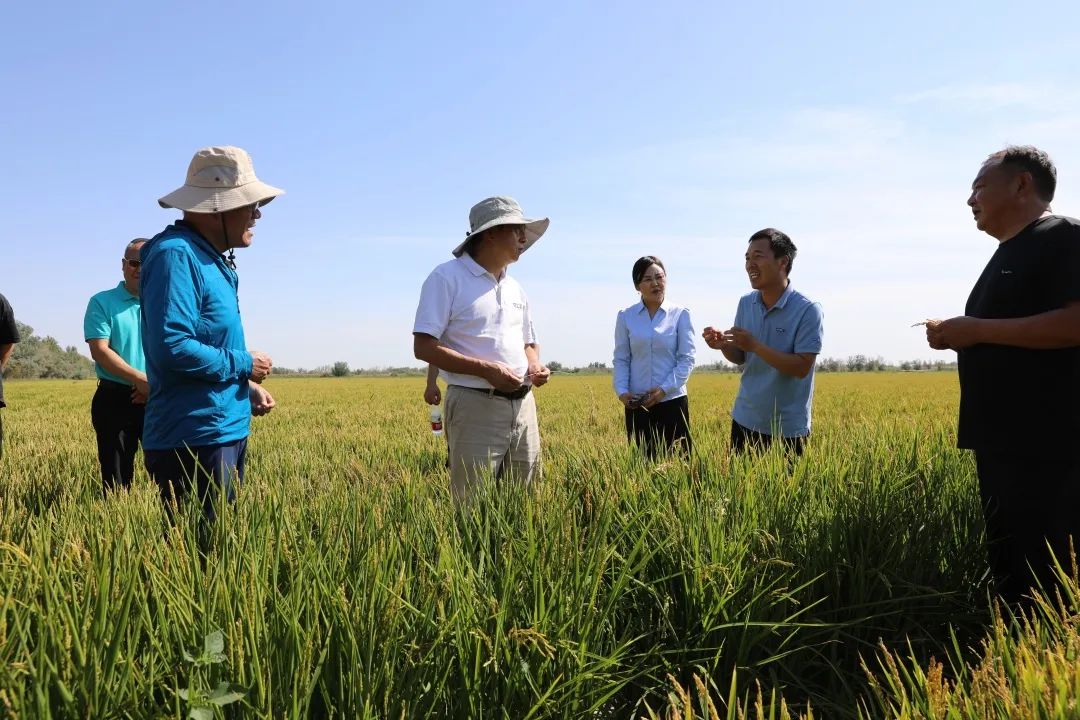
<point x="501" y="211"/>
<point x="220" y="179"/>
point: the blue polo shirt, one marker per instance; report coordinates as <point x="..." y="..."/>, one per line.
<point x="197" y="362"/>
<point x="769" y="401"/>
<point x="115" y="315"/>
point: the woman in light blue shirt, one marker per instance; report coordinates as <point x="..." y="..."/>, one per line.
<point x="654" y="354"/>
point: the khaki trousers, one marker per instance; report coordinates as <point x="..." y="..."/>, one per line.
<point x="490" y="436"/>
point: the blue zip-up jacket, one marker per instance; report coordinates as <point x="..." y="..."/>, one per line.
<point x="197" y="363"/>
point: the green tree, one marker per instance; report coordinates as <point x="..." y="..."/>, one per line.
<point x="36" y="357"/>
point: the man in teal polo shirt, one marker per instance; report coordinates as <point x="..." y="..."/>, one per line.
<point x="776" y="338"/>
<point x="112" y="327"/>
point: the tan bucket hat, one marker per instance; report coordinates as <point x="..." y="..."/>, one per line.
<point x="501" y="211"/>
<point x="220" y="179"/>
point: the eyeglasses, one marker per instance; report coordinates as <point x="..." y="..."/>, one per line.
<point x="133" y="263"/>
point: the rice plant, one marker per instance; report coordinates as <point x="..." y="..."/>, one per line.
<point x="344" y="582"/>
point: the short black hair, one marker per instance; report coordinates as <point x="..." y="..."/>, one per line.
<point x="644" y="263"/>
<point x="473" y="240"/>
<point x="1030" y="159"/>
<point x="472" y="243"/>
<point x="780" y="243"/>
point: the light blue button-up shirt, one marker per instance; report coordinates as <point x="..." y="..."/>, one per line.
<point x="655" y="351"/>
<point x="769" y="401"/>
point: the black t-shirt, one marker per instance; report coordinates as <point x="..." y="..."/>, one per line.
<point x="9" y="333"/>
<point x="1013" y="398"/>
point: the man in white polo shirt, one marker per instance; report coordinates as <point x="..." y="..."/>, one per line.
<point x="473" y="323"/>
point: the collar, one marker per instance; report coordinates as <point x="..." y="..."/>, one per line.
<point x="122" y="286"/>
<point x="476" y="268"/>
<point x="640" y="307"/>
<point x="197" y="236"/>
<point x="779" y="303"/>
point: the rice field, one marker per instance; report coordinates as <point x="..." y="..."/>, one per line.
<point x="343" y="583"/>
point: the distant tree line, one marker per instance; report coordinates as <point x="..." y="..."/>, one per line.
<point x="342" y="369"/>
<point x="37" y="357"/>
<point x="854" y="363"/>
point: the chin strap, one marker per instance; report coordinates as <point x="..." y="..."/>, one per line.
<point x="230" y="259"/>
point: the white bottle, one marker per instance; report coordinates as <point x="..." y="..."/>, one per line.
<point x="436" y="420"/>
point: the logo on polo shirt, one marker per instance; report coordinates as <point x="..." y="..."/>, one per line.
<point x="781" y="330"/>
<point x="1006" y="272"/>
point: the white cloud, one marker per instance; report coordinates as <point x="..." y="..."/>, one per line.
<point x="979" y="97"/>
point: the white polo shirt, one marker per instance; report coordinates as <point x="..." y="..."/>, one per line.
<point x="471" y="311"/>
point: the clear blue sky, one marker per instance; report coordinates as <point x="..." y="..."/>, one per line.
<point x="638" y="127"/>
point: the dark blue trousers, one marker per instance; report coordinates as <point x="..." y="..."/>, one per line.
<point x="207" y="470"/>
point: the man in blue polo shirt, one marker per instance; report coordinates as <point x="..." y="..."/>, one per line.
<point x="204" y="382"/>
<point x="112" y="328"/>
<point x="776" y="338"/>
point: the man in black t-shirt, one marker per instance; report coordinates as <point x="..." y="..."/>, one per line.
<point x="1019" y="358"/>
<point x="9" y="335"/>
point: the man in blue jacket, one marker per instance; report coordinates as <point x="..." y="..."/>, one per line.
<point x="204" y="382"/>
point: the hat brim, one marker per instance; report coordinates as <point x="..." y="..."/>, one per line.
<point x="533" y="230"/>
<point x="212" y="200"/>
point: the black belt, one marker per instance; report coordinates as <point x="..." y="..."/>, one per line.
<point x="113" y="385"/>
<point x="512" y="395"/>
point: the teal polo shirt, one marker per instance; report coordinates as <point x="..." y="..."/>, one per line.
<point x="769" y="401"/>
<point x="116" y="315"/>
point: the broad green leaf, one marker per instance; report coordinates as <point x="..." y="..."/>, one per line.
<point x="214" y="643"/>
<point x="226" y="693"/>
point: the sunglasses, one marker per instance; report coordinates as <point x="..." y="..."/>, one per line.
<point x="133" y="263"/>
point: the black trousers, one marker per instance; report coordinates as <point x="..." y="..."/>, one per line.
<point x="662" y="428"/>
<point x="743" y="439"/>
<point x="1031" y="498"/>
<point x="118" y="423"/>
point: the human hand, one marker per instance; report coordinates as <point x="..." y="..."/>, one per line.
<point x="502" y="377"/>
<point x="261" y="365"/>
<point x="713" y="338"/>
<point x="953" y="334"/>
<point x="933" y="335"/>
<point x="140" y="391"/>
<point x="538" y="374"/>
<point x="262" y="402"/>
<point x="432" y="394"/>
<point x="740" y="338"/>
<point x="652" y="397"/>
